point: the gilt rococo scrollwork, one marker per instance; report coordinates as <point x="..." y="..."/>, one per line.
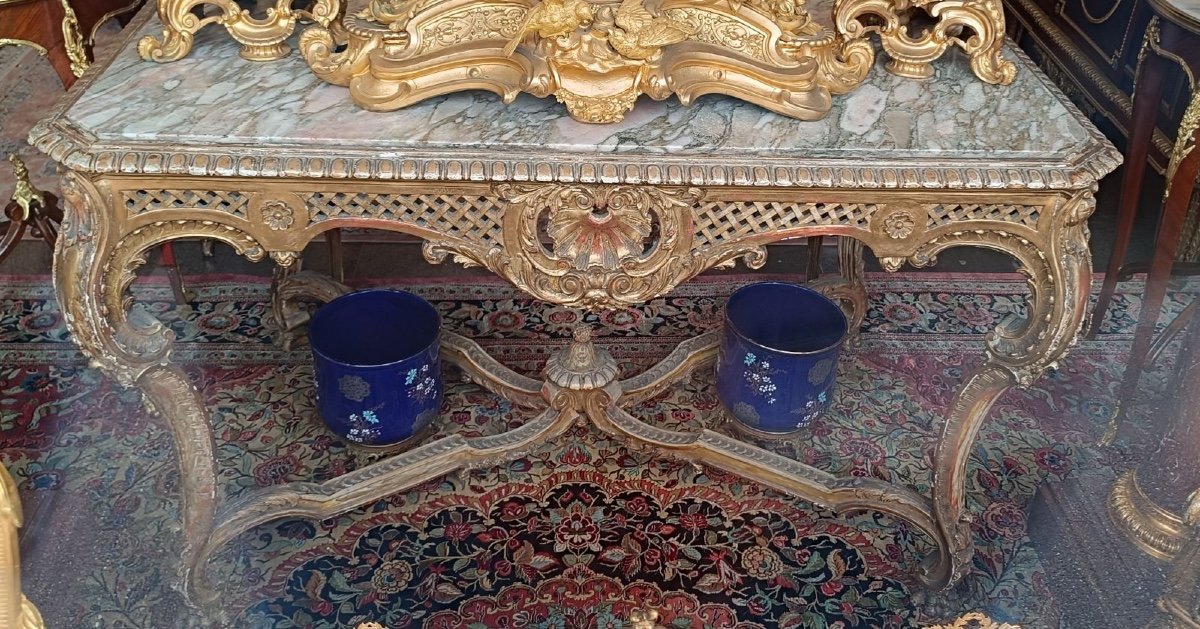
<point x="262" y="39"/>
<point x="598" y="56"/>
<point x="609" y="246"/>
<point x="911" y="56"/>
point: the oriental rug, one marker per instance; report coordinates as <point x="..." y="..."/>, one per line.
<point x="575" y="533"/>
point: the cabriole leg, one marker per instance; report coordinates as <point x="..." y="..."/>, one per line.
<point x="94" y="264"/>
<point x="1057" y="263"/>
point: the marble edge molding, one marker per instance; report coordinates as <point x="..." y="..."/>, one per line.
<point x="75" y="151"/>
<point x="59" y="137"/>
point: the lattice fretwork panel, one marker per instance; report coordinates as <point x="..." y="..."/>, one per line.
<point x="952" y="213"/>
<point x="470" y="217"/>
<point x="139" y="201"/>
<point x="721" y="221"/>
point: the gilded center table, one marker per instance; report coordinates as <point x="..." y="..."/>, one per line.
<point x="264" y="157"/>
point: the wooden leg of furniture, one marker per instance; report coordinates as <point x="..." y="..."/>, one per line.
<point x="57" y="56"/>
<point x="1179" y="269"/>
<point x="44" y="222"/>
<point x="29" y="208"/>
<point x="1173" y="329"/>
<point x="35" y="220"/>
<point x="291" y="285"/>
<point x="813" y="270"/>
<point x="167" y="255"/>
<point x="1182" y="171"/>
<point x="39" y="23"/>
<point x="14" y="229"/>
<point x="1146" y="102"/>
<point x="285" y="322"/>
<point x="337" y="268"/>
<point x="851" y="265"/>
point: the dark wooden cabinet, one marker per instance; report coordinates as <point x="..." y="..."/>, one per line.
<point x="1090" y="48"/>
<point x="1108" y="30"/>
<point x="62" y="30"/>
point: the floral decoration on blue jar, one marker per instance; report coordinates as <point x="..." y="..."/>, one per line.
<point x="777" y="361"/>
<point x="376" y="365"/>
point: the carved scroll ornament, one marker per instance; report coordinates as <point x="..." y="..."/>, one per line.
<point x="976" y="26"/>
<point x="595" y="246"/>
<point x="262" y="39"/>
<point x="598" y="56"/>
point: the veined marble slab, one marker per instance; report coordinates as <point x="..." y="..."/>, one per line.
<point x="232" y="114"/>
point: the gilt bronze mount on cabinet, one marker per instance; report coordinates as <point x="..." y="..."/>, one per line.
<point x="598" y="56"/>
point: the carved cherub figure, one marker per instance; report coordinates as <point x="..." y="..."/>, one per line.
<point x="641" y="35"/>
<point x="551" y="18"/>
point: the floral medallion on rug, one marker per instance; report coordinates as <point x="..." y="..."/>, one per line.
<point x="576" y="533"/>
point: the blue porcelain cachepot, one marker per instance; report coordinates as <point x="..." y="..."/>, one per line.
<point x="375" y="356"/>
<point x="778" y="357"/>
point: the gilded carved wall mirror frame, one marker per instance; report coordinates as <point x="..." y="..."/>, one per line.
<point x="598" y="56"/>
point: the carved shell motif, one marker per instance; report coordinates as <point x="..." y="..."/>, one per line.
<point x="609" y="246"/>
<point x="600" y="230"/>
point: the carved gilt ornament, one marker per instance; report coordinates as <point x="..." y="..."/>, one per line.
<point x="597" y="57"/>
<point x="595" y="246"/>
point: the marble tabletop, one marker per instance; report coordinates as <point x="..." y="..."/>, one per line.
<point x="214" y="113"/>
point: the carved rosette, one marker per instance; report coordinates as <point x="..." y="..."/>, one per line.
<point x="279" y="212"/>
<point x="277" y="216"/>
<point x="895" y="229"/>
<point x="899" y="225"/>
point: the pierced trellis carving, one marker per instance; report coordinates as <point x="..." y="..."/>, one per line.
<point x="141" y="201"/>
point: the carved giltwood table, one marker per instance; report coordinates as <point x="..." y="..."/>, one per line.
<point x="264" y="157"/>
